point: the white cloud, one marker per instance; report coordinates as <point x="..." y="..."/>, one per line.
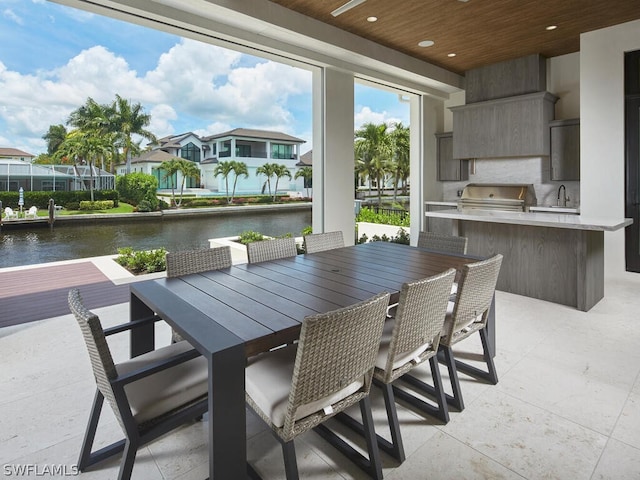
<point x="195" y="87"/>
<point x="11" y="15"/>
<point x="161" y="117"/>
<point x="366" y="115"/>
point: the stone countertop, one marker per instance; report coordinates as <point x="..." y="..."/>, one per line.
<point x="536" y="219"/>
<point x="573" y="210"/>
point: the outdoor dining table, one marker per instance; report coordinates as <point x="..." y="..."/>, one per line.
<point x="233" y="313"/>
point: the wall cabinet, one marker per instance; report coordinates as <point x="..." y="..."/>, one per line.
<point x="449" y="168"/>
<point x="504" y="128"/>
<point x="565" y="149"/>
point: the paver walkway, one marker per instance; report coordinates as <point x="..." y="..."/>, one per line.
<point x="48" y="288"/>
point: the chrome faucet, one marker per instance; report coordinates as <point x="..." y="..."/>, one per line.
<point x="562" y="202"/>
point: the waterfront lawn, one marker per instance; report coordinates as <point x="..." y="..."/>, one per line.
<point x="121" y="208"/>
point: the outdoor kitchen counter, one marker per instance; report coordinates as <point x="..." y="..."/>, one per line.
<point x="553" y="257"/>
<point x="560" y="220"/>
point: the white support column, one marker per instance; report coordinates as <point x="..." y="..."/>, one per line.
<point x="333" y="175"/>
<point x="426" y="120"/>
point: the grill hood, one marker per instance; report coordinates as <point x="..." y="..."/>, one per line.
<point x="498" y="196"/>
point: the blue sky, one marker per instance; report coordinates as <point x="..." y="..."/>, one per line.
<point x="52" y="58"/>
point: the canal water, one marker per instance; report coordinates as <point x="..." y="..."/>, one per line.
<point x="70" y="241"/>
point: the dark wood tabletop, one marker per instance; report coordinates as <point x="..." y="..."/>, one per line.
<point x="246" y="309"/>
<point x="265" y="303"/>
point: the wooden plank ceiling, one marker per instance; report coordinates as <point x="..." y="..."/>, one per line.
<point x="479" y="32"/>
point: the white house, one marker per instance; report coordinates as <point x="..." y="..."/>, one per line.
<point x="252" y="147"/>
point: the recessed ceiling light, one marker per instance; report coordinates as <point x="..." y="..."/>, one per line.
<point x="426" y="43"/>
<point x="451" y="55"/>
<point x="372" y="19"/>
<point x="551" y="27"/>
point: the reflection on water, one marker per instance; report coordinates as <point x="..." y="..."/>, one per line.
<point x="69" y="241"/>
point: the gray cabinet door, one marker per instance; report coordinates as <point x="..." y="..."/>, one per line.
<point x="449" y="169"/>
<point x="565" y="149"/>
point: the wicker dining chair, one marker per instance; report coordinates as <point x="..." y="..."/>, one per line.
<point x="409" y="339"/>
<point x="150" y="394"/>
<point x="319" y="242"/>
<point x="298" y="387"/>
<point x="466" y="316"/>
<point x="442" y="243"/>
<point x="196" y="261"/>
<point x="266" y="250"/>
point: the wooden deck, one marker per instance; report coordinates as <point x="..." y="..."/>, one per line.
<point x="39" y="293"/>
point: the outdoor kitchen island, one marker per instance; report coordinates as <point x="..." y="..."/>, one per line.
<point x="553" y="257"/>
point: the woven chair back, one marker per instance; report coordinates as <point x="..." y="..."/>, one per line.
<point x="100" y="356"/>
<point x="442" y="243"/>
<point x="197" y="261"/>
<point x="419" y="318"/>
<point x="266" y="250"/>
<point x="335" y="350"/>
<point x="319" y="242"/>
<point x="476" y="288"/>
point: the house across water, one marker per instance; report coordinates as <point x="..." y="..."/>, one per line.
<point x="16" y="170"/>
<point x="252" y="147"/>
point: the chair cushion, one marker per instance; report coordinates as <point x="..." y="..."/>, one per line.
<point x="168" y="389"/>
<point x="449" y="319"/>
<point x="385" y="343"/>
<point x="268" y="380"/>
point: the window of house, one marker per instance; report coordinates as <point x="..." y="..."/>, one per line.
<point x="282" y="151"/>
<point x="243" y="150"/>
<point x="225" y="149"/>
<point x="190" y="152"/>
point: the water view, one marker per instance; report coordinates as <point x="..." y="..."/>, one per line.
<point x="68" y="241"/>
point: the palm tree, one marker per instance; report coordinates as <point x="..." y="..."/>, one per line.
<point x="54" y="137"/>
<point x="224" y="168"/>
<point x="95" y="119"/>
<point x="307" y="174"/>
<point x="280" y="171"/>
<point x="239" y="168"/>
<point x="128" y="120"/>
<point x="372" y="150"/>
<point x="84" y="147"/>
<point x="400" y="170"/>
<point x="268" y="170"/>
<point x="170" y="168"/>
<point x="187" y="168"/>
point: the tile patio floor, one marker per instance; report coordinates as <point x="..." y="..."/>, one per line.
<point x="567" y="405"/>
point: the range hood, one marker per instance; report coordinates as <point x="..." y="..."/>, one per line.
<point x="507" y="113"/>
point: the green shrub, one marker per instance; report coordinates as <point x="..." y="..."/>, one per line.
<point x="136" y="187"/>
<point x="401" y="237"/>
<point x="145" y="261"/>
<point x="146" y="206"/>
<point x="40" y="199"/>
<point x="308" y="230"/>
<point x="249" y="236"/>
<point x="368" y="215"/>
<point x="96" y="205"/>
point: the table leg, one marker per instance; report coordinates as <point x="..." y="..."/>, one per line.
<point x="227" y="415"/>
<point x="142" y="339"/>
<point x="491" y="327"/>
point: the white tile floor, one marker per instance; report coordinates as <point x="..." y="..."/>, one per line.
<point x="567" y="405"/>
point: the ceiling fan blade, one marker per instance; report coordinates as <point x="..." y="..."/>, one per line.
<point x="347" y="6"/>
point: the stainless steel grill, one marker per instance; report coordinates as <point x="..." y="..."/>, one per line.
<point x="498" y="196"/>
